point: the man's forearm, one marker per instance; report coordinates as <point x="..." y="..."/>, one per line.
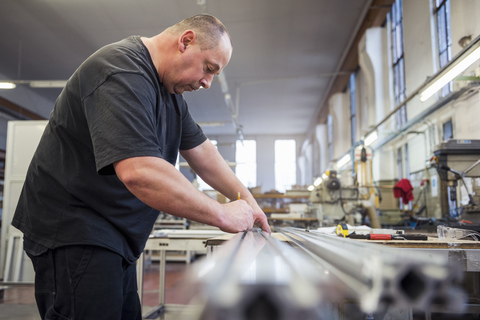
<point x="159" y="185"/>
<point x="212" y="168"/>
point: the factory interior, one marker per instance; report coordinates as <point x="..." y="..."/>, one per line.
<point x="351" y="122"/>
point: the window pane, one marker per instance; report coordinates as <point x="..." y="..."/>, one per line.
<point x="442" y="35"/>
<point x="330" y="136"/>
<point x="447" y="130"/>
<point x="246" y="159"/>
<point x="401" y="71"/>
<point x="399" y="10"/>
<point x="397" y="63"/>
<point x="352" y="107"/>
<point x="399" y="41"/>
<point x="285" y="164"/>
<point x="444" y="38"/>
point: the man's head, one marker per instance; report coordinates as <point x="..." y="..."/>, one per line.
<point x="202" y="49"/>
<point x="209" y="30"/>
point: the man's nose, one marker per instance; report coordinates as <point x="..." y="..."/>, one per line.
<point x="206" y="81"/>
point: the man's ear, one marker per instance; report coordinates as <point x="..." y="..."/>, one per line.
<point x="185" y="40"/>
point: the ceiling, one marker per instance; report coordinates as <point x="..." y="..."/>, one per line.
<point x="286" y="55"/>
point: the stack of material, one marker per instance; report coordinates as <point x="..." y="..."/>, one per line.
<point x="256" y="276"/>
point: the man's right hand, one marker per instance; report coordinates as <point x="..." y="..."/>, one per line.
<point x="237" y="217"/>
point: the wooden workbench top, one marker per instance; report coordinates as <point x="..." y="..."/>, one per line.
<point x="220" y="240"/>
<point x="431" y="243"/>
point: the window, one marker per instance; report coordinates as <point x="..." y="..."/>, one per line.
<point x="246" y="159"/>
<point x="447" y="130"/>
<point x="442" y="13"/>
<point x="352" y="107"/>
<point x="407" y="162"/>
<point x="330" y="137"/>
<point x="396" y="21"/>
<point x="400" y="163"/>
<point x="202" y="185"/>
<point x="285" y="164"/>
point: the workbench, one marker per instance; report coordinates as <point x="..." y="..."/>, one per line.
<point x="465" y="252"/>
<point x="171" y="240"/>
<point x="305" y="222"/>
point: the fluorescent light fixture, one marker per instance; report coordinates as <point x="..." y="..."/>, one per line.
<point x="370" y="138"/>
<point x="48" y="84"/>
<point x="343" y="161"/>
<point x="450" y="75"/>
<point x="7" y="85"/>
<point x="311" y="188"/>
<point x="317" y="182"/>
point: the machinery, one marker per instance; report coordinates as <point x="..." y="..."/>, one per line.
<point x="332" y="202"/>
<point x="458" y="161"/>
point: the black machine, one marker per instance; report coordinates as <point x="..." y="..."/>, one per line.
<point x="456" y="160"/>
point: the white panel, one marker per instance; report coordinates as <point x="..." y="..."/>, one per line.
<point x="26" y="135"/>
<point x="22" y="141"/>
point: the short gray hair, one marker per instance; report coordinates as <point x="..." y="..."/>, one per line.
<point x="208" y="29"/>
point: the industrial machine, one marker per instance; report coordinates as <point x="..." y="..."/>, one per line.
<point x="458" y="165"/>
<point x="356" y="205"/>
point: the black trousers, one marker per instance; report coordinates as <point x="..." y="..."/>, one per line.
<point x="83" y="283"/>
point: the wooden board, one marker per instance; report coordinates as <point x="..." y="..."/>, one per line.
<point x="431" y="243"/>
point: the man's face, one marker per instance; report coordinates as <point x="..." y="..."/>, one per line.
<point x="196" y="68"/>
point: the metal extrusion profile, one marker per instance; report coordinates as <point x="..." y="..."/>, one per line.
<point x="380" y="277"/>
<point x="312" y="275"/>
<point x="255" y="276"/>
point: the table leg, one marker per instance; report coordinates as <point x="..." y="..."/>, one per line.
<point x="161" y="293"/>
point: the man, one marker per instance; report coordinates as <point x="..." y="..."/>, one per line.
<point x="105" y="167"/>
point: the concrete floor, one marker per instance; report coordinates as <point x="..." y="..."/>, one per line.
<point x="18" y="302"/>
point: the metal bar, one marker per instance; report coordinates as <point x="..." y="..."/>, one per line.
<point x="254" y="274"/>
<point x="314" y="275"/>
<point x="385" y="276"/>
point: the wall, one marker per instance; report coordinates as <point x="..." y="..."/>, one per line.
<point x="375" y="99"/>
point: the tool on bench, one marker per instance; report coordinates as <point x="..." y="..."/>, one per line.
<point x="342" y="230"/>
<point x="389" y="236"/>
<point x="381" y="234"/>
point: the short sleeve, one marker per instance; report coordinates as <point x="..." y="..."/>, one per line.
<point x="121" y="119"/>
<point x="192" y="133"/>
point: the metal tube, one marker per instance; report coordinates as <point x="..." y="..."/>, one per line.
<point x="254" y="274"/>
<point x="310" y="275"/>
<point x="390" y="276"/>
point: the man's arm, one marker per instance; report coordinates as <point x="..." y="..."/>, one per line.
<point x="158" y="184"/>
<point x="207" y="162"/>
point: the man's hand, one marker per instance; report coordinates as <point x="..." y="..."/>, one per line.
<point x="259" y="218"/>
<point x="237" y="217"/>
<point x="261" y="221"/>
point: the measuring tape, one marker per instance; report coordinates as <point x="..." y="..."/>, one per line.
<point x="342" y="230"/>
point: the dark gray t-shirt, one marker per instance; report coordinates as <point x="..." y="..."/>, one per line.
<point x="112" y="108"/>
